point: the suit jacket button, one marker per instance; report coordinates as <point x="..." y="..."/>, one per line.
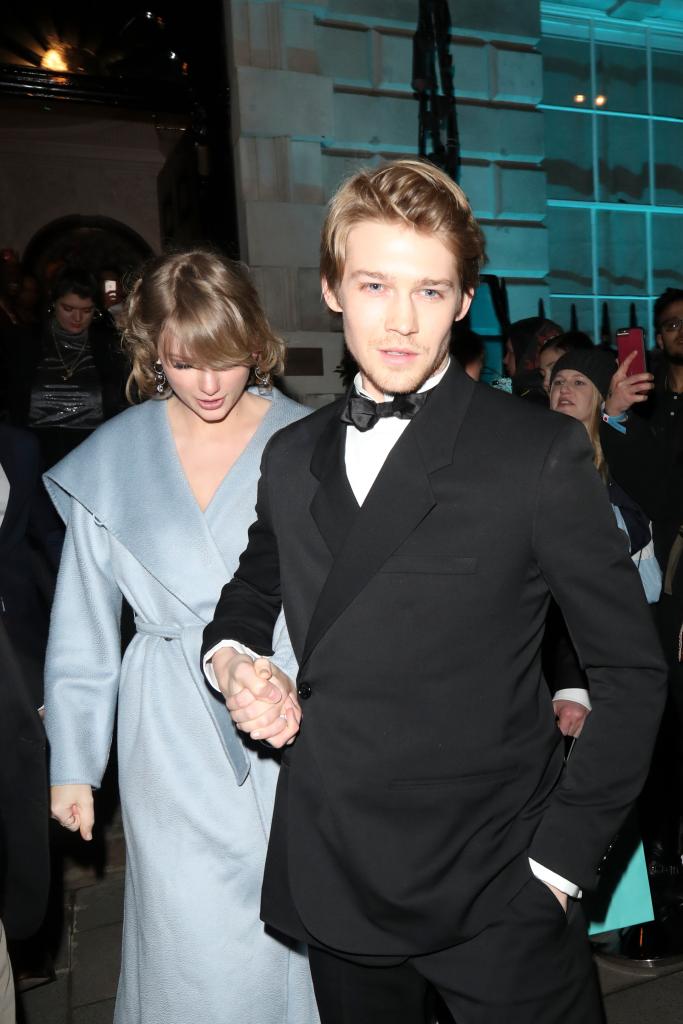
<point x="304" y="691"/>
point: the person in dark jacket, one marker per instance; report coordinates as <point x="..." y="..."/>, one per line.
<point x="24" y="858"/>
<point x="69" y="376"/>
<point x="522" y="347"/>
<point x="642" y="436"/>
<point x="30" y="545"/>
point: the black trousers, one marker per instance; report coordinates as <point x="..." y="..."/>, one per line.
<point x="531" y="966"/>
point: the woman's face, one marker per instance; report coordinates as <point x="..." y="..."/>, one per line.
<point x="209" y="394"/>
<point x="546" y="361"/>
<point x="73" y="313"/>
<point x="574" y="395"/>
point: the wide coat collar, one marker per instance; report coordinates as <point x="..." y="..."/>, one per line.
<point x="362" y="538"/>
<point x="128" y="475"/>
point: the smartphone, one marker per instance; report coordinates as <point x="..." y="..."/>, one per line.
<point x="632" y="339"/>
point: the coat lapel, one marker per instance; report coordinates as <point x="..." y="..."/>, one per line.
<point x="334" y="506"/>
<point x="122" y="492"/>
<point x="399" y="500"/>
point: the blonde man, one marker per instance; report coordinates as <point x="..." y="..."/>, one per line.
<point x="425" y="835"/>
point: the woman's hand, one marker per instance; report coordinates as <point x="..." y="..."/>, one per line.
<point x="73" y="807"/>
<point x="625" y="390"/>
<point x="261" y="699"/>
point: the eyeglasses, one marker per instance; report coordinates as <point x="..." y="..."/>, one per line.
<point x="671" y="325"/>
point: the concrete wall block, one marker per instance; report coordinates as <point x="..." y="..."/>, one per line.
<point x="314" y="314"/>
<point x="345" y="54"/>
<point x="237" y="31"/>
<point x="299" y="41"/>
<point x="515" y="251"/>
<point x="517" y="75"/>
<point x="523" y="298"/>
<point x="478" y="183"/>
<point x="278" y="291"/>
<point x="264" y="168"/>
<point x="397" y="10"/>
<point x="522" y="193"/>
<point x="320" y="390"/>
<point x="495" y="133"/>
<point x="336" y="168"/>
<point x="500" y="18"/>
<point x="376" y="120"/>
<point x="306" y="174"/>
<point x="394" y="56"/>
<point x="265" y="35"/>
<point x="471" y="70"/>
<point x="275" y="103"/>
<point x="283" y="234"/>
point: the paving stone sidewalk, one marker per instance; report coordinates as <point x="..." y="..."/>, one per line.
<point x="88" y="960"/>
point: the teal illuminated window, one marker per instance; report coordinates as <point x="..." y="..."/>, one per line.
<point x="613" y="103"/>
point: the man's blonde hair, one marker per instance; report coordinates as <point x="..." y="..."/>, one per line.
<point x="412" y="192"/>
<point x="199" y="306"/>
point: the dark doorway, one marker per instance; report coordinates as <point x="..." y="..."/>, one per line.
<point x="165" y="63"/>
<point x="90" y="242"/>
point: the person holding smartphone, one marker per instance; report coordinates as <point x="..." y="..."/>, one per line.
<point x="642" y="437"/>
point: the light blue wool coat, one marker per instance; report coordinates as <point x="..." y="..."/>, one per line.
<point x="196" y="802"/>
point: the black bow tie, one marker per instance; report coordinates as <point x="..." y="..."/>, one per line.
<point x="362" y="413"/>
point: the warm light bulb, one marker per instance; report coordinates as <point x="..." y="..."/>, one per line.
<point x="600" y="100"/>
<point x="54" y="61"/>
<point x="579" y="98"/>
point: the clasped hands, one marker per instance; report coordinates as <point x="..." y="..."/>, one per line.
<point x="260" y="697"/>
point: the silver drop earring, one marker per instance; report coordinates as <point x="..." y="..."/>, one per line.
<point x="160" y="378"/>
<point x="262" y="378"/>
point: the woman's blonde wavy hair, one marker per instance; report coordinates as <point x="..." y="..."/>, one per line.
<point x="201" y="307"/>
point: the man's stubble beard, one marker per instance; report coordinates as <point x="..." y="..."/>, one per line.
<point x="408" y="386"/>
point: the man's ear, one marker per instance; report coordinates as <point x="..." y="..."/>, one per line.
<point x="330" y="297"/>
<point x="465" y="305"/>
<point x="659" y="340"/>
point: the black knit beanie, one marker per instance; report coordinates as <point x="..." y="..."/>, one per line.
<point x="596" y="364"/>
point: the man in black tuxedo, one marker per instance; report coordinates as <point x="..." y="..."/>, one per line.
<point x="425" y="829"/>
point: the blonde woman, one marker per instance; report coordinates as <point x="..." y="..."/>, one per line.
<point x="157" y="504"/>
<point x="579" y="384"/>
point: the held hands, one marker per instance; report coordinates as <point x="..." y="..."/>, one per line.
<point x="570" y="717"/>
<point x="261" y="699"/>
<point x="73" y="808"/>
<point x="625" y="391"/>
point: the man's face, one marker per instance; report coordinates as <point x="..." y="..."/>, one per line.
<point x="399" y="297"/>
<point x="670" y="332"/>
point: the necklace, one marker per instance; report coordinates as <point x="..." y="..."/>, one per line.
<point x="69" y="368"/>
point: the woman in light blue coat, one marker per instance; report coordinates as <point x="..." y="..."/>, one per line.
<point x="157" y="505"/>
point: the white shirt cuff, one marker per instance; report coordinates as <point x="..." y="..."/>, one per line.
<point x="546" y="875"/>
<point x="575" y="693"/>
<point x="208" y="667"/>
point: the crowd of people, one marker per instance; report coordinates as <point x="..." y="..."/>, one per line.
<point x="408" y="602"/>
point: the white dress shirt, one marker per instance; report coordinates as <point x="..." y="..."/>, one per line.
<point x="365" y="454"/>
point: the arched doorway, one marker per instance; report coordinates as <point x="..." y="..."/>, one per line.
<point x="90" y="242"/>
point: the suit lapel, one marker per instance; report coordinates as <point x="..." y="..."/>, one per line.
<point x="399" y="500"/>
<point x="334" y="506"/>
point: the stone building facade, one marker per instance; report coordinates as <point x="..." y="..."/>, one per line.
<point x="321" y="89"/>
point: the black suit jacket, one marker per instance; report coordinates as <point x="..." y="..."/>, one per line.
<point x="30" y="542"/>
<point x="429" y="766"/>
<point x="24" y="857"/>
